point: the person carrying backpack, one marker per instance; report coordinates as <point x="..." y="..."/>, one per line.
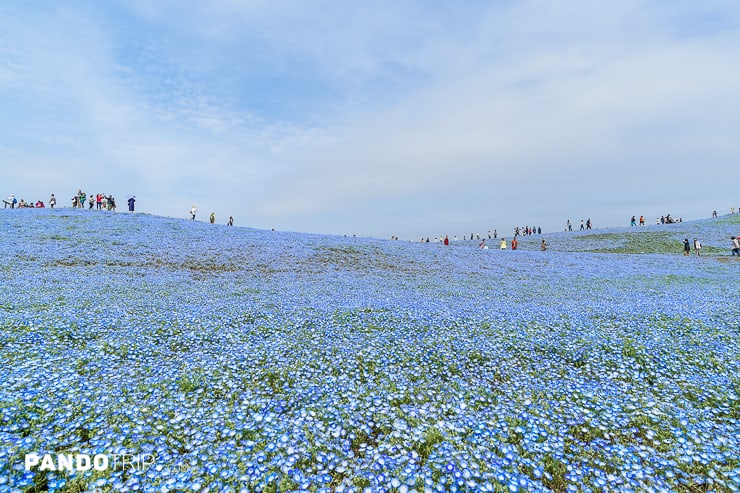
<point x="697" y="247"/>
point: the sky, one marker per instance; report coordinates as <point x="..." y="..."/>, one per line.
<point x="377" y="118"/>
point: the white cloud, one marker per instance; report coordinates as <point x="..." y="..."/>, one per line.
<point x="295" y="112"/>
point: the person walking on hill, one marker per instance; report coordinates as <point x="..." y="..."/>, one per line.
<point x="735" y="246"/>
<point x="633" y="221"/>
<point x="193" y="210"/>
<point x="52" y="201"/>
<point x="131" y="202"/>
<point x="213" y="217"/>
<point x="543" y="245"/>
<point x="697" y="247"/>
<point x="642" y="220"/>
<point x="502" y="245"/>
<point x="686" y="247"/>
<point x="231" y="221"/>
<point x="514" y="243"/>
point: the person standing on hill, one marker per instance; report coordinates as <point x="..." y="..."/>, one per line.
<point x="213" y="217"/>
<point x="231" y="221"/>
<point x="697" y="247"/>
<point x="502" y="245"/>
<point x="514" y="243"/>
<point x="193" y="210"/>
<point x="543" y="245"/>
<point x="735" y="246"/>
<point x="686" y="247"/>
<point x="52" y="201"/>
<point x="642" y="220"/>
<point x="131" y="202"/>
<point x="447" y="240"/>
<point x="633" y="221"/>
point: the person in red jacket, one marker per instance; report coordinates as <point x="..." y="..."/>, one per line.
<point x="514" y="243"/>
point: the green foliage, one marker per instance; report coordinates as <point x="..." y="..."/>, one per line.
<point x="556" y="469"/>
<point x="432" y="436"/>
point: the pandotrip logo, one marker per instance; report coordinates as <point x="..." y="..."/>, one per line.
<point x="85" y="462"/>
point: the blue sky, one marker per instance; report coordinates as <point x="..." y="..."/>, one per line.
<point x="376" y="118"/>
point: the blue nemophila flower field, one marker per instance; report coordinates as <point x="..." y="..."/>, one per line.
<point x="246" y="360"/>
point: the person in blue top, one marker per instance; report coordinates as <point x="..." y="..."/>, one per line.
<point x="131" y="202"/>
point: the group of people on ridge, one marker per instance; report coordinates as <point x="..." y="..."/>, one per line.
<point x="79" y="200"/>
<point x="99" y="201"/>
<point x="212" y="218"/>
<point x="584" y="225"/>
<point x="13" y="202"/>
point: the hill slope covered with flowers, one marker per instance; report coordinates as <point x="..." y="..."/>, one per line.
<point x="247" y="360"/>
